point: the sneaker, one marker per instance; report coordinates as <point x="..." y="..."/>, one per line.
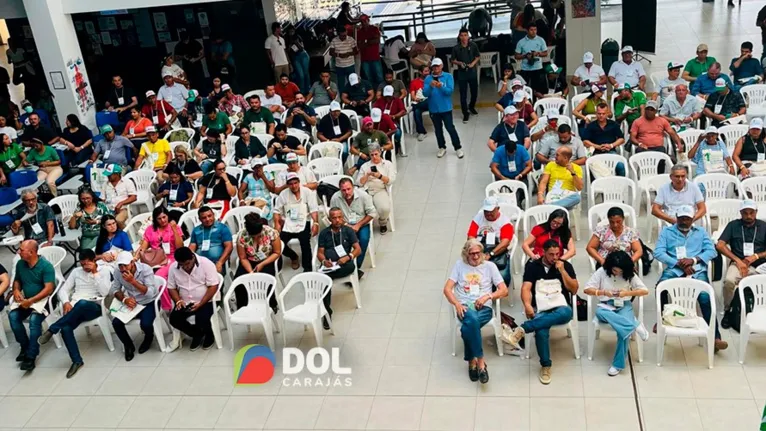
<point x="545" y="375"/>
<point x="613" y="371"/>
<point x="720" y="345"/>
<point x="208" y="343"/>
<point x="73" y="369"/>
<point x="473" y="111"/>
<point x="473" y="373"/>
<point x="642" y="332"/>
<point x="484" y="375"/>
<point x="22" y="356"/>
<point x="195" y="344"/>
<point x="441" y="153"/>
<point x="421" y="136"/>
<point x="383" y="229"/>
<point x="516" y="337"/>
<point x="145" y="345"/>
<point x="460" y="154"/>
<point x="28" y="364"/>
<point x="43" y="339"/>
<point x="465" y="118"/>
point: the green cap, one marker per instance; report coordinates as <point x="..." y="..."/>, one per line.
<point x="192" y="96"/>
<point x="552" y="68"/>
<point x="112" y="169"/>
<point x="106" y="128"/>
<point x="625" y="86"/>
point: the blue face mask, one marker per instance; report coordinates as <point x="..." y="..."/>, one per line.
<point x="28" y="109"/>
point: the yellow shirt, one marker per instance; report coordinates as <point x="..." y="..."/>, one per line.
<point x="159" y="149"/>
<point x="560" y="173"/>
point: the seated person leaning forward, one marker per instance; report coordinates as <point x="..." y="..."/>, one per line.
<point x="555" y="228"/>
<point x="562" y="180"/>
<point x="258" y="247"/>
<point x="470" y="288"/>
<point x="36" y="218"/>
<point x="358" y="210"/>
<point x="338" y="247"/>
<point x="495" y="232"/>
<point x="680" y="192"/>
<point x="613" y="237"/>
<point x="216" y="189"/>
<point x="686" y="251"/>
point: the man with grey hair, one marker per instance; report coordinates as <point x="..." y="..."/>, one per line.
<point x="36" y="218"/>
<point x="338" y="246"/>
<point x="680" y="109"/>
<point x="358" y="210"/>
<point x="705" y="84"/>
<point x="680" y="192"/>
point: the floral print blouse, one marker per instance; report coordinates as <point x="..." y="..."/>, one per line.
<point x="258" y="249"/>
<point x="610" y="242"/>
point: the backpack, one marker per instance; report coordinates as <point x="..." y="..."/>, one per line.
<point x="325" y="191"/>
<point x="647" y="258"/>
<point x="731" y="319"/>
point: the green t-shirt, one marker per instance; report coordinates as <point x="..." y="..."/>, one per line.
<point x="220" y="122"/>
<point x="264" y="116"/>
<point x="33" y="279"/>
<point x="636" y="101"/>
<point x="49" y="155"/>
<point x="695" y="68"/>
<point x="363" y="140"/>
<point x="11" y="153"/>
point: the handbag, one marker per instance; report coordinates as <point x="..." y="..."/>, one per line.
<point x="154" y="257"/>
<point x="680" y="317"/>
<point x="548" y="295"/>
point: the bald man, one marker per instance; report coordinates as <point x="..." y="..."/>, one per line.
<point x="34" y="282"/>
<point x="561" y="180"/>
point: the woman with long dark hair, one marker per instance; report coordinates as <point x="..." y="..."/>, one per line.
<point x="258" y="247"/>
<point x="78" y="139"/>
<point x="177" y="191"/>
<point x="614" y="285"/>
<point x="557" y="229"/>
<point x="12" y="156"/>
<point x="88" y="216"/>
<point x="163" y="235"/>
<point x="111" y="240"/>
<point x="422" y="51"/>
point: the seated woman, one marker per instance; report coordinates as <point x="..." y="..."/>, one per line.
<point x="185" y="163"/>
<point x="111" y="241"/>
<point x="711" y="155"/>
<point x="614" y="285"/>
<point x="178" y="192"/>
<point x="135" y="128"/>
<point x="161" y="239"/>
<point x="216" y="189"/>
<point x="88" y="216"/>
<point x="78" y="140"/>
<point x="469" y="289"/>
<point x="247" y="148"/>
<point x="12" y="156"/>
<point x="615" y="236"/>
<point x="557" y="229"/>
<point x="256" y="188"/>
<point x="587" y="107"/>
<point x="209" y="149"/>
<point x="376" y="175"/>
<point x="258" y="247"/>
<point x="47" y="160"/>
<point x="505" y="85"/>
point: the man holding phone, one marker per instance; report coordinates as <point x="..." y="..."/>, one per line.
<point x="629" y="105"/>
<point x="531" y="50"/>
<point x="134" y="285"/>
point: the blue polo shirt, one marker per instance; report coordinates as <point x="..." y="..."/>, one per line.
<point x="218" y="234"/>
<point x="527" y="45"/>
<point x="705" y="85"/>
<point x="518" y="161"/>
<point x="502" y="132"/>
<point x="748" y="69"/>
<point x="595" y="134"/>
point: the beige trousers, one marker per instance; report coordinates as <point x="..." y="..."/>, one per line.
<point x="730" y="282"/>
<point x="50" y="174"/>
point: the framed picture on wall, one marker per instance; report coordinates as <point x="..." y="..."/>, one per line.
<point x="160" y="21"/>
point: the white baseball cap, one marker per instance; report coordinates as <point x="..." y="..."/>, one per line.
<point x="257" y="161"/>
<point x="490" y="204"/>
<point x="627" y="48"/>
<point x="552" y="113"/>
<point x="150" y="129"/>
<point x="748" y="204"/>
<point x="388" y="90"/>
<point x="150" y="93"/>
<point x="376" y="115"/>
<point x="516" y="83"/>
<point x="510" y="110"/>
<point x="353" y="79"/>
<point x="334" y="106"/>
<point x="685" y="211"/>
<point x="437" y="62"/>
<point x="291" y="158"/>
<point x="519" y="96"/>
<point x="292" y="176"/>
<point x="225" y="87"/>
<point x="595" y="88"/>
<point x="756" y="123"/>
<point x="711" y="130"/>
<point x="124" y="258"/>
<point x="587" y="57"/>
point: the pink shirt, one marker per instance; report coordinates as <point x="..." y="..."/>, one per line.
<point x="192" y="286"/>
<point x="156" y="238"/>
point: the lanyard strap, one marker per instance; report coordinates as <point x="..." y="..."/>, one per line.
<point x="332" y="235"/>
<point x="755" y="233"/>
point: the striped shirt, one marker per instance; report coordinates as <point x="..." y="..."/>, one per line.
<point x="343" y="47"/>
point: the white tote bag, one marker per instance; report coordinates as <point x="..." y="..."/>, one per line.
<point x="548" y="295"/>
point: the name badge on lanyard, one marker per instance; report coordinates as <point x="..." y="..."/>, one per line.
<point x="490" y="238"/>
<point x="681" y="252"/>
<point x="155" y="119"/>
<point x="10" y="163"/>
<point x="387" y="111"/>
<point x="173" y="194"/>
<point x="205" y="245"/>
<point x="166" y="247"/>
<point x="236" y="109"/>
<point x="37" y="229"/>
<point x="340" y="251"/>
<point x="748" y="248"/>
<point x="132" y="131"/>
<point x="120" y="100"/>
<point x="760" y="157"/>
<point x="717" y="108"/>
<point x="336" y="130"/>
<point x="209" y="193"/>
<point x="511" y="165"/>
<point x="474" y="289"/>
<point x="107" y="153"/>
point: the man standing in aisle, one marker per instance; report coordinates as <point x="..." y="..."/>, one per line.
<point x="530" y="50"/>
<point x="275" y="48"/>
<point x="465" y="57"/>
<point x="438" y="88"/>
<point x="343" y="48"/>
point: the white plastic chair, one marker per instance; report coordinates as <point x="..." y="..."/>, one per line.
<point x="528" y="90"/>
<point x="235" y="172"/>
<point x="646" y="164"/>
<point x="570" y="326"/>
<point x="493" y="189"/>
<point x="537" y="215"/>
<point x="325" y="166"/>
<point x="653" y="184"/>
<point x="189" y="220"/>
<point x="55" y="255"/>
<point x="595" y="326"/>
<point x="259" y="93"/>
<point x="718" y="185"/>
<point x="235" y="217"/>
<point x="143" y="179"/>
<point x="684" y="292"/>
<point x="488" y="60"/>
<point x="755" y="188"/>
<point x="555" y="103"/>
<point x="725" y="210"/>
<point x="493" y="323"/>
<point x="260" y="289"/>
<point x="613" y="189"/>
<point x="275" y="168"/>
<point x="68" y="206"/>
<point x="175" y="144"/>
<point x="608" y="160"/>
<point x="133" y="225"/>
<point x="353" y="118"/>
<point x="315" y="286"/>
<point x="321" y="111"/>
<point x="753" y="322"/>
<point x="102" y="322"/>
<point x="231" y="144"/>
<point x="754" y="94"/>
<point x="327" y="149"/>
<point x="189" y="132"/>
<point x="265" y="138"/>
<point x="302" y="136"/>
<point x="731" y="134"/>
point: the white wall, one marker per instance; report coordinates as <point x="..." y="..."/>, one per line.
<point x="582" y="35"/>
<point x="12" y="9"/>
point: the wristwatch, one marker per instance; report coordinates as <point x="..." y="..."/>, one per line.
<point x="492" y="253"/>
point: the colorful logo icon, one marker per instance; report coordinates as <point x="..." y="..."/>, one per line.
<point x="254" y="364"/>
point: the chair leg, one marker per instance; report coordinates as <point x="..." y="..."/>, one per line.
<point x="216" y="327"/>
<point x="575" y="340"/>
<point x="231" y="336"/>
<point x="371" y="248"/>
<point x="269" y="330"/>
<point x="356" y="289"/>
<point x="103" y="325"/>
<point x="284" y="336"/>
<point x="317" y="327"/>
<point x="454" y="339"/>
<point x="3" y="336"/>
<point x="660" y="345"/>
<point x="591" y="340"/>
<point x="498" y="342"/>
<point x="710" y="352"/>
<point x="159" y="334"/>
<point x="527" y="340"/>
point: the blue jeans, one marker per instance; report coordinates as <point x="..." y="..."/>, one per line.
<point x="301" y="65"/>
<point x="470" y="331"/>
<point x="417" y="111"/>
<point x="16" y="319"/>
<point x="568" y="202"/>
<point x="206" y="165"/>
<point x="343" y="73"/>
<point x="703" y="299"/>
<point x="443" y="120"/>
<point x="364" y="241"/>
<point x="541" y="325"/>
<point x="624" y="323"/>
<point x="82" y="311"/>
<point x="619" y="169"/>
<point x="373" y="71"/>
<point x="146" y="321"/>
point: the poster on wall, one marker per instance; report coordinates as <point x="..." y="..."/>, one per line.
<point x="108" y="23"/>
<point x="189" y="15"/>
<point x="95" y="38"/>
<point x="164" y="36"/>
<point x="583" y="8"/>
<point x="89" y="27"/>
<point x="203" y="19"/>
<point x="106" y="38"/>
<point x="126" y="25"/>
<point x="116" y="40"/>
<point x="82" y="91"/>
<point x="160" y="22"/>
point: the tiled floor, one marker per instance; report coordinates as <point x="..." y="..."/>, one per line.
<point x="398" y="345"/>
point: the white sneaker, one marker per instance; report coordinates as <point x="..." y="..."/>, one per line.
<point x="441" y="153"/>
<point x="613" y="371"/>
<point x="460" y="154"/>
<point x="642" y="332"/>
<point x="421" y="136"/>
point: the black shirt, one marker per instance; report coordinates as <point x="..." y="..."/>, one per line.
<point x="325" y="126"/>
<point x="245" y="151"/>
<point x="115" y="94"/>
<point x="733" y="235"/>
<point x="291" y="142"/>
<point x="219" y="187"/>
<point x="189" y="167"/>
<point x="43" y="133"/>
<point x="188" y="49"/>
<point x="535" y="270"/>
<point x="77" y="138"/>
<point x="329" y="239"/>
<point x="466" y="54"/>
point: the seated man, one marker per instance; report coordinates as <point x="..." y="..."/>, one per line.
<point x="629" y="105"/>
<point x="81" y="296"/>
<point x="511" y="161"/>
<point x="518" y="100"/>
<point x="667" y="85"/>
<point x="384" y="123"/>
<point x="286" y="90"/>
<point x="338" y="247"/>
<point x="282" y="145"/>
<point x="272" y="101"/>
<point x="744" y="245"/>
<point x="257" y="118"/>
<point x="419" y="101"/>
<point x="113" y="149"/>
<point x="627" y="71"/>
<point x="400" y="91"/>
<point x="118" y="193"/>
<point x="551" y="271"/>
<point x="211" y="239"/>
<point x="724" y="104"/>
<point x="746" y="69"/>
<point x="547" y="151"/>
<point x="160" y="112"/>
<point x="681" y="109"/>
<point x="495" y="232"/>
<point x="555" y="82"/>
<point x="323" y="91"/>
<point x="215" y="121"/>
<point x="706" y="84"/>
<point x="394" y="108"/>
<point x="294" y="210"/>
<point x="134" y="285"/>
<point x="648" y="132"/>
<point x="604" y="136"/>
<point x="301" y="116"/>
<point x="156" y="150"/>
<point x="334" y="127"/>
<point x="357" y="95"/>
<point x="36" y="218"/>
<point x="360" y="145"/>
<point x="510" y="129"/>
<point x="680" y="192"/>
<point x="686" y="251"/>
<point x="711" y="155"/>
<point x="588" y="73"/>
<point x="306" y="175"/>
<point x="750" y="148"/>
<point x="233" y="105"/>
<point x="358" y="211"/>
<point x="698" y="65"/>
<point x="562" y="180"/>
<point x="34" y="127"/>
<point x="192" y="283"/>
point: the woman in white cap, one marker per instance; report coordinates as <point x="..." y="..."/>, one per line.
<point x="256" y="188"/>
<point x="587" y="107"/>
<point x="711" y="155"/>
<point x="750" y="148"/>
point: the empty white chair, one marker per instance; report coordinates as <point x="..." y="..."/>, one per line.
<point x="488" y="60"/>
<point x="302" y="136"/>
<point x="506" y="190"/>
<point x="610" y="161"/>
<point x="613" y="189"/>
<point x="725" y="210"/>
<point x="555" y="103"/>
<point x="718" y="185"/>
<point x="188" y="220"/>
<point x="260" y="288"/>
<point x="684" y="292"/>
<point x="55" y="255"/>
<point x="646" y="164"/>
<point x="754" y="94"/>
<point x="731" y="134"/>
<point x="753" y="322"/>
<point x="326" y="149"/>
<point x="143" y="179"/>
<point x="259" y="93"/>
<point x="265" y="138"/>
<point x="353" y="117"/>
<point x="325" y="166"/>
<point x="315" y="286"/>
<point x="231" y="144"/>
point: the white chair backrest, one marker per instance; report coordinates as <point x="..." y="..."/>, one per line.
<point x="654" y="183"/>
<point x="326" y="149"/>
<point x="134" y="224"/>
<point x="235" y="217"/>
<point x="754" y="94"/>
<point x="556" y="103"/>
<point x="539" y="214"/>
<point x="614" y="189"/>
<point x="689" y="137"/>
<point x="231" y="143"/>
<point x="260" y="287"/>
<point x="726" y="210"/>
<point x="265" y="138"/>
<point x="645" y="165"/>
<point x="260" y="93"/>
<point x="142" y="178"/>
<point x="608" y="160"/>
<point x="325" y="166"/>
<point x="66" y="203"/>
<point x="757" y="285"/>
<point x="684" y="292"/>
<point x="718" y="185"/>
<point x="656" y="77"/>
<point x="275" y="168"/>
<point x="235" y="172"/>
<point x="322" y="111"/>
<point x="486" y="58"/>
<point x="335" y="179"/>
<point x="53" y="254"/>
<point x="189" y="219"/>
<point x="530" y="93"/>
<point x="315" y="286"/>
<point x="175" y="144"/>
<point x="597" y="213"/>
<point x="756" y="188"/>
<point x="731" y="134"/>
<point x="507" y="196"/>
<point x="353" y="117"/>
<point x="300" y="134"/>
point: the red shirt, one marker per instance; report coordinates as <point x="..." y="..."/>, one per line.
<point x="541" y="237"/>
<point x="160" y="109"/>
<point x="288" y="92"/>
<point x="386" y="124"/>
<point x="369" y="52"/>
<point x="526" y="113"/>
<point x="416" y="84"/>
<point x="506" y="231"/>
<point x="395" y="105"/>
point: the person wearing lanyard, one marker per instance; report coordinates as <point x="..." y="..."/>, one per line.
<point x="750" y="148"/>
<point x="162" y="234"/>
<point x="510" y="130"/>
<point x="160" y="112"/>
<point x="746" y="251"/>
<point x="511" y="161"/>
<point x="292" y="210"/>
<point x="216" y="187"/>
<point x="37" y="218"/>
<point x="495" y="232"/>
<point x="724" y="104"/>
<point x="679" y="192"/>
<point x="178" y="191"/>
<point x="394" y="108"/>
<point x="111" y="241"/>
<point x="211" y="239"/>
<point x="686" y="250"/>
<point x="555" y="83"/>
<point x="121" y="99"/>
<point x="358" y="210"/>
<point x="338" y="247"/>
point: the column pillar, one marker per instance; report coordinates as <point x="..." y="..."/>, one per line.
<point x="582" y="34"/>
<point x="60" y="54"/>
<point x="269" y="14"/>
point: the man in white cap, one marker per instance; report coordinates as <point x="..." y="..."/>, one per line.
<point x="335" y="126"/>
<point x="465" y="58"/>
<point x="294" y="209"/>
<point x="175" y="94"/>
<point x="159" y="112"/>
<point x="627" y="71"/>
<point x="519" y="99"/>
<point x="588" y="73"/>
<point x="323" y="91"/>
<point x="750" y="148"/>
<point x="306" y="175"/>
<point x="232" y="104"/>
<point x="743" y="242"/>
<point x="495" y="232"/>
<point x="438" y="88"/>
<point x="393" y="109"/>
<point x="357" y="95"/>
<point x="711" y="155"/>
<point x="680" y="192"/>
<point x="686" y="251"/>
<point x="510" y="129"/>
<point x="680" y="108"/>
<point x="724" y="104"/>
<point x="667" y="85"/>
<point x="707" y="83"/>
<point x="155" y="149"/>
<point x="531" y="50"/>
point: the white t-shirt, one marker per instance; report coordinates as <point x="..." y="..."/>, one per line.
<point x="627" y="73"/>
<point x="473" y="282"/>
<point x="591" y="75"/>
<point x="391" y="51"/>
<point x="599" y="280"/>
<point x="671" y="200"/>
<point x="174" y="70"/>
<point x="10" y="131"/>
<point x="305" y="174"/>
<point x="268" y="102"/>
<point x="116" y="194"/>
<point x="277" y="47"/>
<point x="666" y="83"/>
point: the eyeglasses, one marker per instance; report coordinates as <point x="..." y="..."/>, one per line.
<point x="29" y="200"/>
<point x="474" y="253"/>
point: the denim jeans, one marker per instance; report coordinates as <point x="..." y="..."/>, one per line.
<point x="624" y="323"/>
<point x="373" y="71"/>
<point x="443" y="120"/>
<point x="417" y="111"/>
<point x="569" y="201"/>
<point x="343" y="73"/>
<point x="82" y="312"/>
<point x="470" y="331"/>
<point x="16" y="319"/>
<point x="301" y="67"/>
<point x="464" y="85"/>
<point x="541" y="325"/>
<point x="703" y="299"/>
<point x="364" y="241"/>
<point x="146" y="320"/>
<point x="206" y="166"/>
